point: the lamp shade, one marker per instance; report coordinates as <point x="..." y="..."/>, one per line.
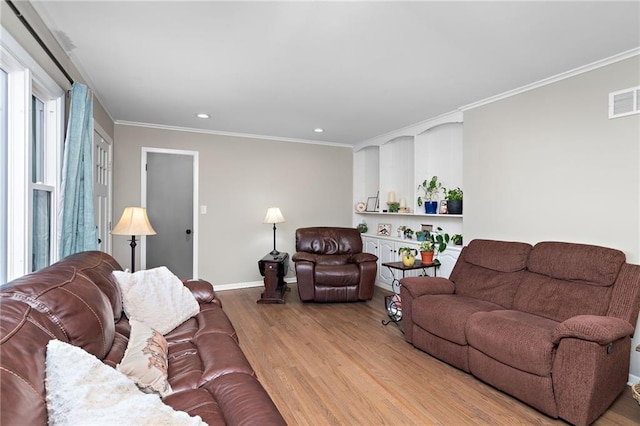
<point x="134" y="221"/>
<point x="274" y="215"/>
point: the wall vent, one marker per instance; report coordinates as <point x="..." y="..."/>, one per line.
<point x="624" y="102"/>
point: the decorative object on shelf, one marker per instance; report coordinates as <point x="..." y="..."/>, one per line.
<point x="431" y="189"/>
<point x="408" y="256"/>
<point x="407" y="232"/>
<point x="362" y="227"/>
<point x="457" y="239"/>
<point x="426" y="227"/>
<point x="372" y="204"/>
<point x="391" y="198"/>
<point x="360" y="206"/>
<point x="134" y="221"/>
<point x="454" y="200"/>
<point x="426" y="252"/>
<point x="443" y="207"/>
<point x="384" y="229"/>
<point x="393" y="207"/>
<point x="274" y="216"/>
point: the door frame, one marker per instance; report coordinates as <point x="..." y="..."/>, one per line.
<point x="143" y="200"/>
<point x="105" y="136"/>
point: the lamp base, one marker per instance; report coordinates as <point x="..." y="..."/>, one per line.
<point x="274" y="252"/>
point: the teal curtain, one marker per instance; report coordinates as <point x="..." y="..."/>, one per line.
<point x="78" y="229"/>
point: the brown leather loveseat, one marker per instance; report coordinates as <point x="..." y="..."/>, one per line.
<point x="331" y="267"/>
<point x="549" y="324"/>
<point x="78" y="301"/>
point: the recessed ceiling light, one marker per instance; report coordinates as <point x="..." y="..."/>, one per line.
<point x="203" y="115"/>
<point x="318" y="130"/>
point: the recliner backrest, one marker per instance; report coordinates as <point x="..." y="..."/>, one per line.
<point x="328" y="240"/>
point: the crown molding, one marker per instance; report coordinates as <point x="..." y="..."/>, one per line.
<point x="553" y="79"/>
<point x="230" y="134"/>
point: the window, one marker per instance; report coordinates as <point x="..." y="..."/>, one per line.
<point x="4" y="97"/>
<point x="31" y="130"/>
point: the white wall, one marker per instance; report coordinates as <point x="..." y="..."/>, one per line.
<point x="549" y="165"/>
<point x="239" y="179"/>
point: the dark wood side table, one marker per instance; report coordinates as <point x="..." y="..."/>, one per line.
<point x="392" y="303"/>
<point x="395" y="285"/>
<point x="273" y="269"/>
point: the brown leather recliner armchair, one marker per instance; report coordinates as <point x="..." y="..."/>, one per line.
<point x="331" y="267"/>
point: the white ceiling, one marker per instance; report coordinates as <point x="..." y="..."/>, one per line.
<point x="356" y="69"/>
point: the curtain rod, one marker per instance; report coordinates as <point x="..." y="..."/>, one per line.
<point x="39" y="40"/>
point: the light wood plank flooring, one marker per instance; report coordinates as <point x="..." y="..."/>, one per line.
<point x="336" y="364"/>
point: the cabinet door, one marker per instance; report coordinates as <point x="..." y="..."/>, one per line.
<point x="370" y="245"/>
<point x="448" y="259"/>
<point x="388" y="253"/>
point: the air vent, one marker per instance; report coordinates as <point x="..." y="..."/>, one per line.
<point x="624" y="102"/>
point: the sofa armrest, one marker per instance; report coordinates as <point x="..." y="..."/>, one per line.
<point x="418" y="286"/>
<point x="303" y="256"/>
<point x="593" y="328"/>
<point x="202" y="290"/>
<point x="363" y="257"/>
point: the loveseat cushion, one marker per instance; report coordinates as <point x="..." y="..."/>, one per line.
<point x="517" y="339"/>
<point x="558" y="299"/>
<point x="503" y="256"/>
<point x="490" y="270"/>
<point x="446" y="315"/>
<point x="576" y="262"/>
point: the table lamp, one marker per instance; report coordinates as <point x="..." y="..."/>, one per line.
<point x="274" y="216"/>
<point x="134" y="221"/>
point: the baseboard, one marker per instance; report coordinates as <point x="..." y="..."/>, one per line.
<point x="383" y="285"/>
<point x="249" y="284"/>
<point x="633" y="379"/>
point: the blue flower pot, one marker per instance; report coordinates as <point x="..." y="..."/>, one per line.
<point x="431" y="207"/>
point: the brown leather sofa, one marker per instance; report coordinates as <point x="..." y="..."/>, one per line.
<point x="549" y="324"/>
<point x="78" y="301"/>
<point x="331" y="267"/>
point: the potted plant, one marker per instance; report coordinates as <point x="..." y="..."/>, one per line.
<point x="408" y="256"/>
<point x="426" y="252"/>
<point x="454" y="200"/>
<point x="457" y="239"/>
<point x="431" y="189"/>
<point x="440" y="241"/>
<point x="421" y="235"/>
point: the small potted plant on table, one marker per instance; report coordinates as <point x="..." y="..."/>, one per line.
<point x="426" y="252"/>
<point x="408" y="256"/>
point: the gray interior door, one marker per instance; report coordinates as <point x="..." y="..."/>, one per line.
<point x="170" y="211"/>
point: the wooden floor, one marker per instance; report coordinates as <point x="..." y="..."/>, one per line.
<point x="336" y="364"/>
